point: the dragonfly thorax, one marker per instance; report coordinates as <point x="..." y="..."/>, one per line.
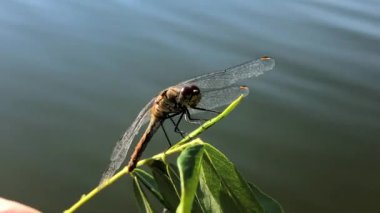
<point x="175" y="100"/>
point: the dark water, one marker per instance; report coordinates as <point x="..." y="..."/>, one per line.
<point x="74" y="74"/>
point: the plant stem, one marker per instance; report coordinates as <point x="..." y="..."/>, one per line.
<point x="181" y="145"/>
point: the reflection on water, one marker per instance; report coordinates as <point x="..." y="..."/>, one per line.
<point x="73" y="76"/>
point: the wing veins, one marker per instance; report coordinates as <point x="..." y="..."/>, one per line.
<point x="232" y="75"/>
<point x="122" y="146"/>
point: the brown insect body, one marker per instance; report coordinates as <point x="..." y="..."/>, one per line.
<point x="173" y="100"/>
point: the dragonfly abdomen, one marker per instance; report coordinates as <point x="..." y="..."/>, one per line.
<point x="154" y="124"/>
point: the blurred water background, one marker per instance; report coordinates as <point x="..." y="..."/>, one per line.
<point x="74" y="74"/>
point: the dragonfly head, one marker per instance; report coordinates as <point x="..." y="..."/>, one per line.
<point x="189" y="96"/>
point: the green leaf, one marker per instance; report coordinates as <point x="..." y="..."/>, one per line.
<point x="165" y="185"/>
<point x="214" y="196"/>
<point x="269" y="204"/>
<point x="172" y="172"/>
<point x="149" y="183"/>
<point x="223" y="187"/>
<point x="141" y="198"/>
<point x="174" y="176"/>
<point x="210" y="188"/>
<point x="189" y="163"/>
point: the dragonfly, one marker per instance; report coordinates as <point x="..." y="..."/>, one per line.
<point x="202" y="93"/>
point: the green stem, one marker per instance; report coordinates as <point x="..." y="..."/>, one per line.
<point x="181" y="145"/>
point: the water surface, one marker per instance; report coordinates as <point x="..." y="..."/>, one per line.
<point x="73" y="76"/>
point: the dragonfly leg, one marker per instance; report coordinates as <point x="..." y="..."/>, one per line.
<point x="171" y="115"/>
<point x="206" y="110"/>
<point x="189" y="119"/>
<point x="176" y="124"/>
<point x="166" y="135"/>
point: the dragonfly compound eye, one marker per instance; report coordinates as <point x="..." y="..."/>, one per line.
<point x="195" y="90"/>
<point x="188" y="91"/>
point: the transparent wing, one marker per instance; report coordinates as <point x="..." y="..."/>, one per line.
<point x="220" y="97"/>
<point x="232" y="75"/>
<point x="122" y="146"/>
